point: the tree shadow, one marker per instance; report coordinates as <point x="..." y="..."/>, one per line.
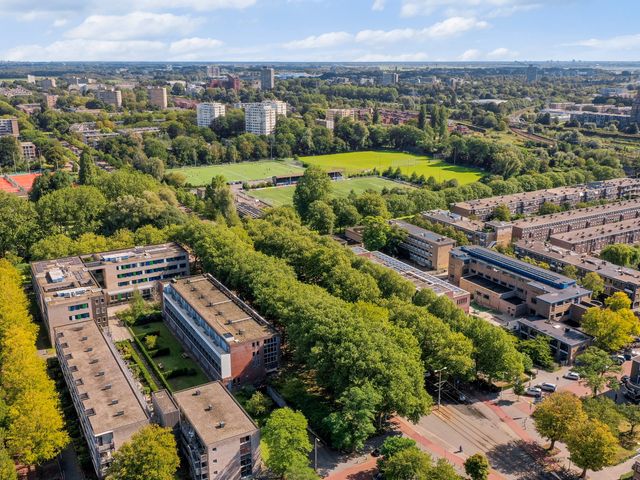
<point x="523" y="460"/>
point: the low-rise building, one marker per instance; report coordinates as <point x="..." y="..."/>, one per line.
<point x="9" y="126"/>
<point x="566" y="342"/>
<point x="543" y="226"/>
<point x="80" y="288"/>
<point x="514" y="287"/>
<point x="596" y="238"/>
<point x="229" y="339"/>
<point x="110" y="408"/>
<point x="477" y="232"/>
<point x="29" y="150"/>
<point x="220" y="441"/>
<point x="158" y="97"/>
<point x="528" y="203"/>
<point x="616" y="278"/>
<point x="424" y="247"/>
<point x="421" y="280"/>
<point x="110" y="97"/>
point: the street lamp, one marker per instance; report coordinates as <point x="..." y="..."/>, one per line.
<point x="439" y="372"/>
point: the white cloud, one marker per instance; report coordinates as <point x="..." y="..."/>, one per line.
<point x="195" y="45"/>
<point x="60" y="22"/>
<point x="621" y="42"/>
<point x="471" y="54"/>
<point x="502" y="53"/>
<point x="405" y="57"/>
<point x="447" y="28"/>
<point x="200" y="5"/>
<point x="326" y="40"/>
<point x="89" y="50"/>
<point x="412" y="8"/>
<point x="133" y="25"/>
<point x="378" y="5"/>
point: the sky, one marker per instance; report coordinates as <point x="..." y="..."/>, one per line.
<point x="320" y="30"/>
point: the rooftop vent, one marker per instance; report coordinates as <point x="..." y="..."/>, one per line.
<point x="221" y="425"/>
<point x="107" y="387"/>
<point x="209" y="408"/>
<point x="119" y="413"/>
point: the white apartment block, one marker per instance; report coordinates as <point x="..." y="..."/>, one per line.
<point x="158" y="97"/>
<point x="279" y="106"/>
<point x="208" y="112"/>
<point x="110" y="97"/>
<point x="260" y="119"/>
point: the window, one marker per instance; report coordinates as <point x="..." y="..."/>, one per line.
<point x="246" y="460"/>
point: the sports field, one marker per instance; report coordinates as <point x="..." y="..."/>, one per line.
<point x="237" y="172"/>
<point x="354" y="162"/>
<point x="277" y="196"/>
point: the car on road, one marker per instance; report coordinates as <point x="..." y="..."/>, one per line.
<point x="533" y="391"/>
<point x="571" y="375"/>
<point x="548" y="387"/>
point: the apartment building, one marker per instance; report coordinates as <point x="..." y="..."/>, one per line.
<point x="616" y="278"/>
<point x="73" y="289"/>
<point x="206" y="113"/>
<point x="110" y="408"/>
<point x="528" y="203"/>
<point x="219" y="440"/>
<point x="260" y="119"/>
<point x="213" y="71"/>
<point x="542" y="227"/>
<point x="228" y="338"/>
<point x="596" y="238"/>
<point x="158" y="97"/>
<point x="420" y="279"/>
<point x="426" y="248"/>
<point x="47" y="83"/>
<point x="477" y="232"/>
<point x="267" y="78"/>
<point x="333" y="115"/>
<point x="109" y="97"/>
<point x="389" y="78"/>
<point x="50" y="100"/>
<point x="512" y="286"/>
<point x="29" y="150"/>
<point x="9" y="126"/>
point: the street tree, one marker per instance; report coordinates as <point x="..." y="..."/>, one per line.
<point x="477" y="467"/>
<point x="320" y="217"/>
<point x="557" y="414"/>
<point x="150" y="454"/>
<point x="591" y="445"/>
<point x="285" y="434"/>
<point x="219" y="201"/>
<point x="596" y="367"/>
<point x="594" y="282"/>
<point x="612" y="329"/>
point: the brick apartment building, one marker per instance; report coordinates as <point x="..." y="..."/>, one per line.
<point x="542" y="227"/>
<point x="110" y="408"/>
<point x="79" y="288"/>
<point x="229" y="339"/>
<point x="528" y="203"/>
<point x="477" y="232"/>
<point x="424" y="247"/>
<point x="594" y="239"/>
<point x="420" y="279"/>
<point x="616" y="278"/>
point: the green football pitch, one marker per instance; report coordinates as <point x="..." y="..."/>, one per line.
<point x="355" y="162"/>
<point x="237" y="172"/>
<point x="277" y="196"/>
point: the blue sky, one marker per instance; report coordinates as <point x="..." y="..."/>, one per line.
<point x="320" y="30"/>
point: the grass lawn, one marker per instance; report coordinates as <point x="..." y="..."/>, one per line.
<point x="277" y="196"/>
<point x="235" y="172"/>
<point x="354" y="162"/>
<point x="174" y="360"/>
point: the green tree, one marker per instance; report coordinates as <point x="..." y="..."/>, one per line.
<point x="88" y="173"/>
<point x="594" y="366"/>
<point x="548" y="208"/>
<point x="592" y="446"/>
<point x="150" y="454"/>
<point x="219" y="201"/>
<point x="258" y="405"/>
<point x="314" y="185"/>
<point x="612" y="329"/>
<point x="353" y="424"/>
<point x="501" y="212"/>
<point x="594" y="282"/>
<point x="539" y="351"/>
<point x="570" y="271"/>
<point x="72" y="210"/>
<point x="19" y="227"/>
<point x="10" y="152"/>
<point x="285" y="434"/>
<point x="477" y="467"/>
<point x="556" y="414"/>
<point x="7" y="467"/>
<point x="631" y="413"/>
<point x="320" y="217"/>
<point x="618" y="301"/>
<point x="621" y="254"/>
<point x="375" y="233"/>
<point x="407" y="464"/>
<point x="606" y="411"/>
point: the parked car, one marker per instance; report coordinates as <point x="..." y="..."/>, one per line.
<point x="533" y="391"/>
<point x="571" y="375"/>
<point x="619" y="359"/>
<point x="548" y="387"/>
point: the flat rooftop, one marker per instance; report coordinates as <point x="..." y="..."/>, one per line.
<point x="146" y="251"/>
<point x="229" y="316"/>
<point x="63" y="278"/>
<point x="600" y="231"/>
<point x="419" y="278"/>
<point x="488" y="284"/>
<point x="450" y="218"/>
<point x="577" y="214"/>
<point x="213" y="412"/>
<point x="419" y="232"/>
<point x="558" y="331"/>
<point x="111" y="399"/>
<point x="582" y="260"/>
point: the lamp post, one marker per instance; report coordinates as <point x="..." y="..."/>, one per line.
<point x="439" y="372"/>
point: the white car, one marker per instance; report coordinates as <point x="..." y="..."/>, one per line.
<point x="533" y="391"/>
<point x="548" y="387"/>
<point x="571" y="375"/>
